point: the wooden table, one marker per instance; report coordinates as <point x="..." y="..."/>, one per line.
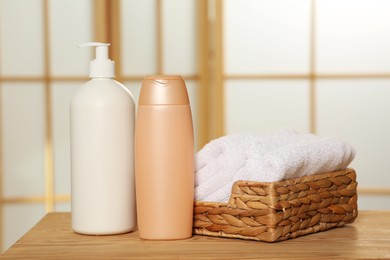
<point x="52" y="238"/>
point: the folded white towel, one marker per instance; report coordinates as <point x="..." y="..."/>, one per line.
<point x="266" y="158"/>
<point x="218" y="161"/>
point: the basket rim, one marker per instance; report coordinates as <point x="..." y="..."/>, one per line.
<point x="275" y="185"/>
<point x="294" y="181"/>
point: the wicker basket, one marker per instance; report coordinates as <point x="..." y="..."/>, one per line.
<point x="276" y="211"/>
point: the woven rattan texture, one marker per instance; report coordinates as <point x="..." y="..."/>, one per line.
<point x="281" y="210"/>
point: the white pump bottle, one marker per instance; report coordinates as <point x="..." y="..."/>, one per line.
<point x="102" y="114"/>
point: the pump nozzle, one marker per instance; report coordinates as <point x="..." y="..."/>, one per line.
<point x="101" y="66"/>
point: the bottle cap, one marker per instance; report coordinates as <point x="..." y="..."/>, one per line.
<point x="163" y="90"/>
<point x="101" y="66"/>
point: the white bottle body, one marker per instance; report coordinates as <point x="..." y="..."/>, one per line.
<point x="102" y="116"/>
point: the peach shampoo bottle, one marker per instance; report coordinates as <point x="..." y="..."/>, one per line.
<point x="102" y="115"/>
<point x="164" y="159"/>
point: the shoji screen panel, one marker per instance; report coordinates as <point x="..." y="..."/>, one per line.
<point x="21" y="38"/>
<point x="316" y="65"/>
<point x="179" y="37"/>
<point x="266" y="60"/>
<point x="266" y="37"/>
<point x="139" y="39"/>
<point x="40" y="67"/>
<point x="70" y="24"/>
<point x="61" y="95"/>
<point x="23" y="140"/>
<point x="159" y="37"/>
<point x="266" y="105"/>
<point x="22" y="117"/>
<point x="22" y="156"/>
<point x="359" y="111"/>
<point x="353" y="43"/>
<point x="353" y="36"/>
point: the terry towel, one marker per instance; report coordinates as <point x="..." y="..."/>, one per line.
<point x="265" y="158"/>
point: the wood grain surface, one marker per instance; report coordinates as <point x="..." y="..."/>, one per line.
<point x="52" y="238"/>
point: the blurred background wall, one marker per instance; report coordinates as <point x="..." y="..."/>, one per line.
<point x="320" y="66"/>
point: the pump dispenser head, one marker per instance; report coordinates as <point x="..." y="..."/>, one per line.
<point x="101" y="66"/>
